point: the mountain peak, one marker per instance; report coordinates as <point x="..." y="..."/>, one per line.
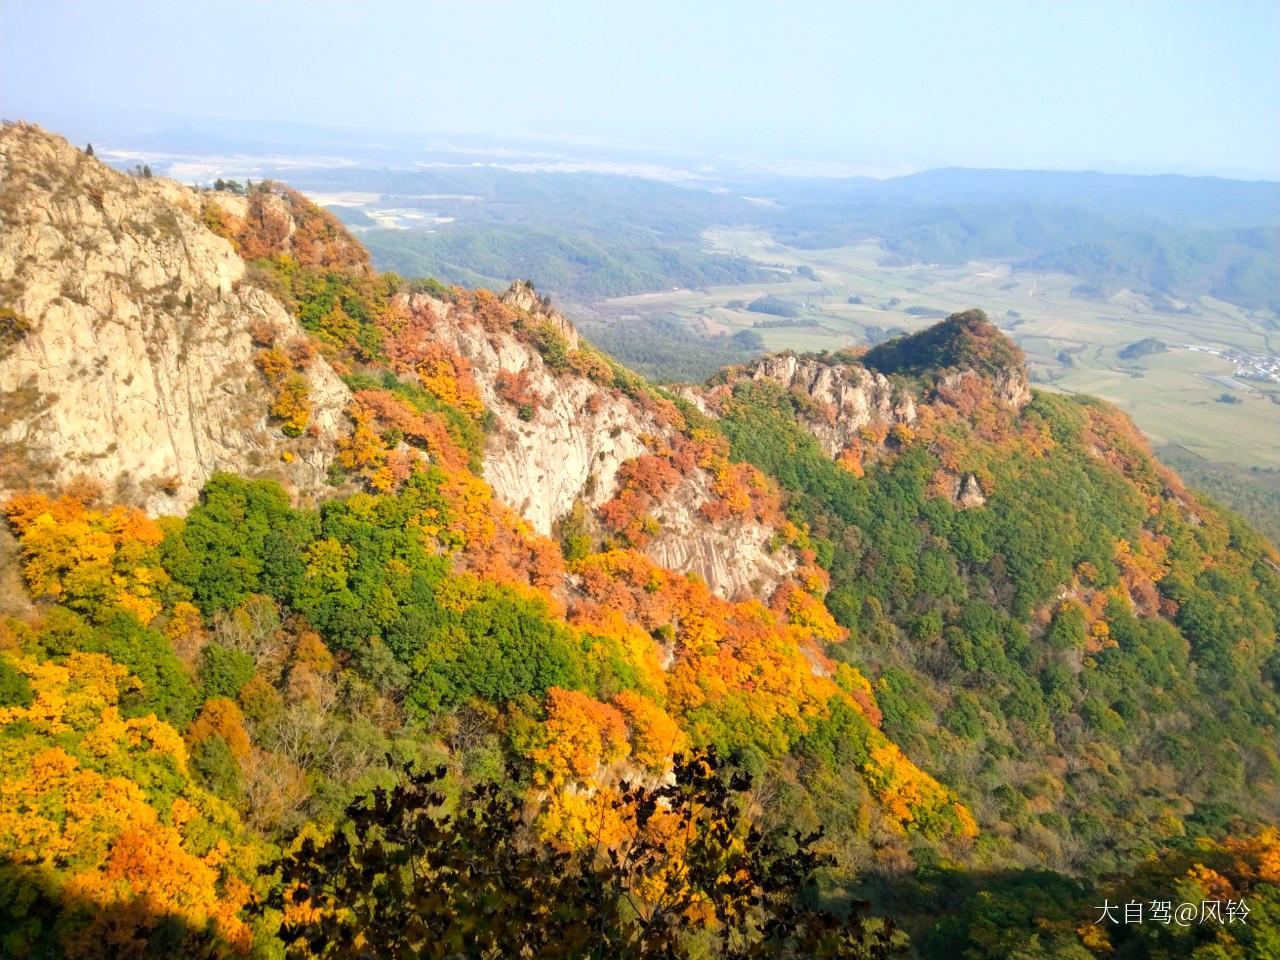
<point x="964" y="344"/>
<point x="965" y="341"/>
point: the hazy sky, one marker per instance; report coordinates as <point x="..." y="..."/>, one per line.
<point x="1124" y="85"/>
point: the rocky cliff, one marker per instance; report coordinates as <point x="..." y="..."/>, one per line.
<point x="563" y="429"/>
<point x="142" y="353"/>
<point x="555" y="441"/>
<point x="128" y="354"/>
<point x="845" y="398"/>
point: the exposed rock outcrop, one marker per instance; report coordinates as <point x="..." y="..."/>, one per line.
<point x="135" y="364"/>
<point x="965" y="344"/>
<point x="1010" y="386"/>
<point x="569" y="445"/>
<point x="846" y="397"/>
<point x="522" y="296"/>
<point x="130" y="354"/>
<point x="734" y="557"/>
<point x="969" y="492"/>
<point x="837" y="396"/>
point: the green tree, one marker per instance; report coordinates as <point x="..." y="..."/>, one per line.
<point x="223" y="671"/>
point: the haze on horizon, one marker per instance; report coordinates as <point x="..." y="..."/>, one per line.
<point x="1138" y="87"/>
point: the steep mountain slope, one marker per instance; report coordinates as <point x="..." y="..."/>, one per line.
<point x="285" y="652"/>
<point x="572" y="427"/>
<point x="1051" y="621"/>
<point x="975" y="636"/>
<point x="128" y="354"/>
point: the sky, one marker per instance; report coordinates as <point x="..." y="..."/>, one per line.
<point x="1123" y="86"/>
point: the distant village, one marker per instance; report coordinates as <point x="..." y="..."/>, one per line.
<point x="1249" y="366"/>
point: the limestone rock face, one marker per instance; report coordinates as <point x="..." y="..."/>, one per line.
<point x="133" y="361"/>
<point x="127" y="355"/>
<point x="846" y="397"/>
<point x="1009" y="385"/>
<point x="572" y="445"/>
<point x="733" y="557"/>
<point x="1013" y="388"/>
<point x="969" y="492"/>
<point x="570" y="448"/>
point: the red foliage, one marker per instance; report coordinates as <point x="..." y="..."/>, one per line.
<point x="485" y="307"/>
<point x="427" y="431"/>
<point x="516" y="389"/>
<point x="301" y="352"/>
<point x="280" y="221"/>
<point x="641" y="481"/>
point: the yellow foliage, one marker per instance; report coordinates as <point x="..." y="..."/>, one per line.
<point x="448" y="377"/>
<point x="908" y="795"/>
<point x="654" y="735"/>
<point x="576" y="818"/>
<point x="274" y="364"/>
<point x="292" y="404"/>
<point x="221" y="717"/>
<point x="89" y="559"/>
<point x="71" y="805"/>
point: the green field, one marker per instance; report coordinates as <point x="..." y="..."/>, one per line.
<point x="1173" y="395"/>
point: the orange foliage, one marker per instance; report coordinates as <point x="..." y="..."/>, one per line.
<point x="593" y="367"/>
<point x="909" y="796"/>
<point x="809" y="614"/>
<point x="282" y="222"/>
<point x="310" y="666"/>
<point x="146" y="877"/>
<point x="516" y="390"/>
<point x="485" y="306"/>
<point x="851" y="458"/>
<point x="365" y="453"/>
<point x="740" y="490"/>
<point x="1142" y="567"/>
<point x="581" y="735"/>
<point x="654" y="736"/>
<point x="221" y="718"/>
<point x="447" y="376"/>
<point x="274" y="364"/>
<point x="723" y="652"/>
<point x="902" y="434"/>
<point x="301" y="352"/>
<point x="762" y="667"/>
<point x="427" y="431"/>
<point x="641" y="481"/>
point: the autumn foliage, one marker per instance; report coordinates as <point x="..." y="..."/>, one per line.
<point x="939" y="681"/>
<point x="99" y="811"/>
<point x="88" y="558"/>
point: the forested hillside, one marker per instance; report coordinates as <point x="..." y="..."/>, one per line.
<point x="1033" y="592"/>
<point x="989" y="664"/>
<point x="589" y="267"/>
